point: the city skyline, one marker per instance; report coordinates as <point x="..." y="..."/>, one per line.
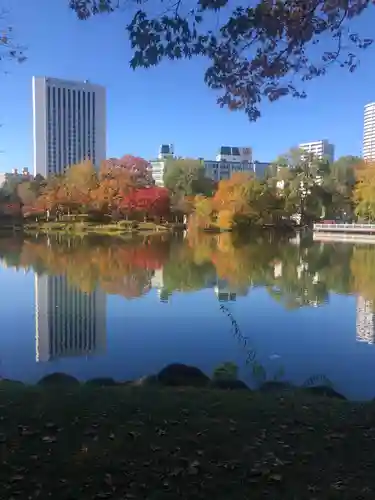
<point x="70" y="127"/>
<point x="170" y="102"/>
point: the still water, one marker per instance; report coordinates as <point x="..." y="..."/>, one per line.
<point x="106" y="308"/>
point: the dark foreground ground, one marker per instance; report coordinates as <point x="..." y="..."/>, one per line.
<point x="144" y="443"/>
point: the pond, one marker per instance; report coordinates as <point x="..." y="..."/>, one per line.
<point x="124" y="309"/>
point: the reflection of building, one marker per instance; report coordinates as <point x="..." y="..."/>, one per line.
<point x="320" y="149"/>
<point x="69" y="124"/>
<point x="365" y="323"/>
<point x="223" y="292"/>
<point x="157" y="282"/>
<point x="68" y="322"/>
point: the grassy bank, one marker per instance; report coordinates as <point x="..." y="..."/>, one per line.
<point x="159" y="443"/>
<point x="108" y="229"/>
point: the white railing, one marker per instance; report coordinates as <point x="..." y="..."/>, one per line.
<point x="360" y="228"/>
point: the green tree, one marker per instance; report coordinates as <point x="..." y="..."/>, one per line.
<point x="301" y="180"/>
<point x="186" y="177"/>
<point x="343" y="169"/>
<point x="258" y="50"/>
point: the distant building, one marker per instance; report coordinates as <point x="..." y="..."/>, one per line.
<point x="229" y="160"/>
<point x="261" y="169"/>
<point x="69" y="121"/>
<point x="234" y="154"/>
<point x="69" y="322"/>
<point x="369" y="132"/>
<point x="166" y="152"/>
<point x="322" y="149"/>
<point x="15" y="176"/>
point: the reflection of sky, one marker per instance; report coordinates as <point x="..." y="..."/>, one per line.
<point x="144" y="334"/>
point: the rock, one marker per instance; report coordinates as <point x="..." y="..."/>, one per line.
<point x="324" y="390"/>
<point x="101" y="381"/>
<point x="182" y="375"/>
<point x="275" y="386"/>
<point x="229" y="384"/>
<point x="58" y="379"/>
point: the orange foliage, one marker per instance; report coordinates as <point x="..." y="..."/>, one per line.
<point x="232" y="193"/>
<point x="122" y="269"/>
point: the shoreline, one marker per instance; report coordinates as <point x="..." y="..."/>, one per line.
<point x="120" y="229"/>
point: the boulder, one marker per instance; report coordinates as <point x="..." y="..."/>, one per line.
<point x="324" y="390"/>
<point x="229" y="384"/>
<point x="182" y="375"/>
<point x="58" y="379"/>
<point x="101" y="381"/>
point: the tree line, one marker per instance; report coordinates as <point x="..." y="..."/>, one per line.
<point x="297" y="187"/>
<point x="294" y="275"/>
<point x="122" y="187"/>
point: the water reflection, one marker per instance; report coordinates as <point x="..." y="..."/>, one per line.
<point x="129" y="307"/>
<point x="365" y="320"/>
<point x="68" y="321"/>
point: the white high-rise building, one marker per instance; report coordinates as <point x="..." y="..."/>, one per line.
<point x="69" y="121"/>
<point x="369" y="132"/>
<point x="68" y="322"/>
<point x="322" y="149"/>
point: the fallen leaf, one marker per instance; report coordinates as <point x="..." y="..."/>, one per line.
<point x="276" y="477"/>
<point x="49" y="439"/>
<point x="17" y="478"/>
<point x="193" y="467"/>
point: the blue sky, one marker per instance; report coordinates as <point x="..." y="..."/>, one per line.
<point x="170" y="103"/>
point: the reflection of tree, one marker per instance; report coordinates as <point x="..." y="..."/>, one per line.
<point x="294" y="275"/>
<point x="184" y="272"/>
<point x="310" y="272"/>
<point x="120" y="268"/>
<point x="363" y="270"/>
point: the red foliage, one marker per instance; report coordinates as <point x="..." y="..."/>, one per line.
<point x="153" y="201"/>
<point x="138" y="169"/>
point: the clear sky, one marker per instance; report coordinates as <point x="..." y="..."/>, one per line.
<point x="168" y="104"/>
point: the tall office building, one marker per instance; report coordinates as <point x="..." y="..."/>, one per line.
<point x="69" y="121"/>
<point x="365" y="321"/>
<point x="369" y="132"/>
<point x="320" y="149"/>
<point x="68" y="322"/>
